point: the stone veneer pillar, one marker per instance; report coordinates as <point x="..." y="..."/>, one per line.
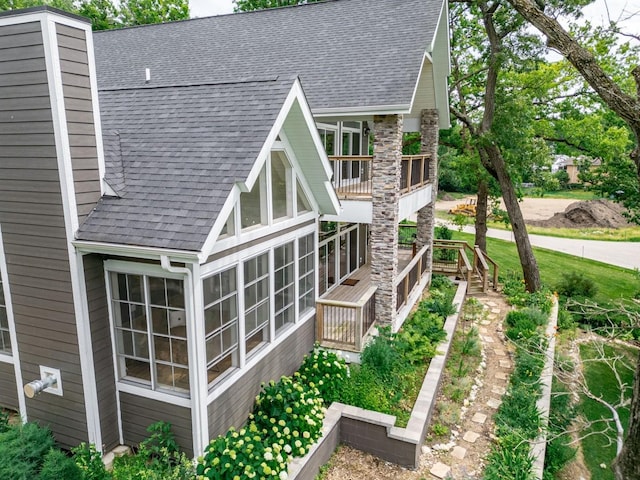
<point x="429" y="130"/>
<point x="387" y="159"/>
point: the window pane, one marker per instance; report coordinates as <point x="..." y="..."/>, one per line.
<point x="162" y="346"/>
<point x="303" y="201"/>
<point x="252" y="210"/>
<point x="212" y="319"/>
<point x="175" y="293"/>
<point x="157" y="291"/>
<point x="136" y="290"/>
<point x="355" y="144"/>
<point x="280" y="185"/>
<point x="179" y="352"/>
<point x="228" y="281"/>
<point x="211" y="289"/>
<point x="330" y="142"/>
<point x="124" y="342"/>
<point x="214" y="347"/>
<point x="140" y="345"/>
<point x="159" y="319"/>
<point x="138" y="317"/>
<point x="137" y="369"/>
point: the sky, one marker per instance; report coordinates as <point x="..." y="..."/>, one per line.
<point x="597" y="12"/>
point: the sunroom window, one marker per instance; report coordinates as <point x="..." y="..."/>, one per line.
<point x="150" y="330"/>
<point x="256" y="301"/>
<point x="306" y="270"/>
<point x="221" y="322"/>
<point x="5" y="338"/>
<point x="303" y="204"/>
<point x="284" y="296"/>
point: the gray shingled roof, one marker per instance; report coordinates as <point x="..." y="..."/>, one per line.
<point x="347" y="53"/>
<point x="177" y="153"/>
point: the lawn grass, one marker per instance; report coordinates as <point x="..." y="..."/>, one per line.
<point x="612" y="282"/>
<point x="600" y="449"/>
<point x="577" y="194"/>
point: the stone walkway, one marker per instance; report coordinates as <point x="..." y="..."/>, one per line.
<point x="463" y="457"/>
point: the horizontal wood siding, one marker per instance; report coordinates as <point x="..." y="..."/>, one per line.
<point x="76" y="87"/>
<point x="234" y="405"/>
<point x="32" y="219"/>
<point x="8" y="388"/>
<point x="139" y="412"/>
<point x="102" y="349"/>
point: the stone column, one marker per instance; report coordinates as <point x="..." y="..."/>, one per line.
<point x="429" y="130"/>
<point x="387" y="159"/>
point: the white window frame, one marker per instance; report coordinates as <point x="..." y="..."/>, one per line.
<point x="130" y="386"/>
<point x="341" y="230"/>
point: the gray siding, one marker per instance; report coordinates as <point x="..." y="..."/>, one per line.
<point x="76" y="88"/>
<point x="139" y="412"/>
<point x="8" y="389"/>
<point x="234" y="405"/>
<point x="32" y="221"/>
<point x="102" y="349"/>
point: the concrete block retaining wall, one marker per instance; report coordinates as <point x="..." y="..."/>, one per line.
<point x="375" y="432"/>
<point x="539" y="447"/>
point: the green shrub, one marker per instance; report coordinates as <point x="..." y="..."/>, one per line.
<point x="439" y="302"/>
<point x="364" y="389"/>
<point x="380" y="354"/>
<point x="509" y="459"/>
<point x="441" y="282"/>
<point x="576" y="285"/>
<point x="22" y="451"/>
<point x="442" y="232"/>
<point x="143" y="465"/>
<point x="521" y="325"/>
<point x="289" y="412"/>
<point x="57" y="466"/>
<point x="325" y="371"/>
<point x="89" y="460"/>
<point x="565" y="320"/>
<point x="4" y="420"/>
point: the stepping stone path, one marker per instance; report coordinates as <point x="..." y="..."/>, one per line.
<point x="440" y="470"/>
<point x="479" y="418"/>
<point x="463" y="458"/>
<point x="471" y="437"/>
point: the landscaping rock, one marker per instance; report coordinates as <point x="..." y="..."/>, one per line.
<point x="440" y="470"/>
<point x="471" y="437"/>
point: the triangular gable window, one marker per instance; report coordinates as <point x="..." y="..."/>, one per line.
<point x="229" y="228"/>
<point x="303" y="202"/>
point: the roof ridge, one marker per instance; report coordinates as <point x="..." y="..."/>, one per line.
<point x="204" y="84"/>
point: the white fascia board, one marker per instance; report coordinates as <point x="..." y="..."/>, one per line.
<point x="425" y="58"/>
<point x="443" y="20"/>
<point x="362" y="111"/>
<point x="133" y="251"/>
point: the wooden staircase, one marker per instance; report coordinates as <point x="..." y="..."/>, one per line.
<point x="455" y="257"/>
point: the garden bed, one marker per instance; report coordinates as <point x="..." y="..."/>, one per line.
<point x="375" y="432"/>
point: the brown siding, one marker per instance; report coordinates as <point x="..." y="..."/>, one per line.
<point x="76" y="88"/>
<point x="234" y="405"/>
<point x="8" y="389"/>
<point x="139" y="412"/>
<point x="34" y="237"/>
<point x="102" y="349"/>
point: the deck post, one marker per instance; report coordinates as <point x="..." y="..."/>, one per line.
<point x="429" y="131"/>
<point x="319" y="322"/>
<point x="387" y="160"/>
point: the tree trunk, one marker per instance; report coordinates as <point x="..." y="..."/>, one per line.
<point x="624" y="105"/>
<point x="627" y="465"/>
<point x="525" y="252"/>
<point x="481" y="215"/>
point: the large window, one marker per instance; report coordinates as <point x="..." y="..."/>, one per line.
<point x="5" y="338"/>
<point x="150" y="330"/>
<point x="221" y="322"/>
<point x="256" y="301"/>
<point x="306" y="270"/>
<point x="284" y="281"/>
<point x="253" y="204"/>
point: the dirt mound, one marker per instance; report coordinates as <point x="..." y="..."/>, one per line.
<point x="588" y="214"/>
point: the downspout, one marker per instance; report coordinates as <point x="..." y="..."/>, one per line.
<point x="197" y="417"/>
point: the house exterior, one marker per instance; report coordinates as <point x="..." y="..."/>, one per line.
<point x="186" y="208"/>
<point x="574" y="165"/>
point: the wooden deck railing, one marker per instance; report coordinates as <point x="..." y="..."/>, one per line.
<point x="411" y="276"/>
<point x="346" y="324"/>
<point x="352" y="175"/>
<point x="457" y="260"/>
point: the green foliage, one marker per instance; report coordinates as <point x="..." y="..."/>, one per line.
<point x="381" y="354"/>
<point x="576" y="285"/>
<point x="565" y="320"/>
<point x="22" y="451"/>
<point x="325" y="371"/>
<point x="4" y="420"/>
<point x="366" y="390"/>
<point x="160" y="441"/>
<point x="286" y="422"/>
<point x="440" y="430"/>
<point x="142" y="466"/>
<point x="89" y="460"/>
<point x="524" y="323"/>
<point x="108" y="14"/>
<point x="515" y="291"/>
<point x="57" y="466"/>
<point x="438" y="302"/>
<point x="249" y="5"/>
<point x="559" y="451"/>
<point x="563" y="178"/>
<point x="509" y="460"/>
<point x="441" y="282"/>
<point x="442" y="232"/>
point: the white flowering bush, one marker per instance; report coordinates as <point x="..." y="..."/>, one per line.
<point x="325" y="371"/>
<point x="289" y="413"/>
<point x="286" y="422"/>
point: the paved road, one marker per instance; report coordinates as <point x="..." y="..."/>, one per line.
<point x="622" y="254"/>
